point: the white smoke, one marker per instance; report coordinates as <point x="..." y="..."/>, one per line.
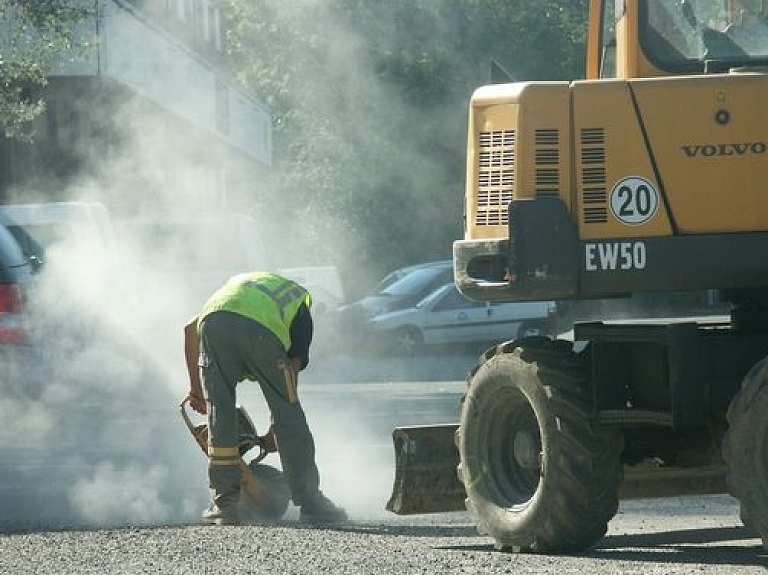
<point x="129" y="494"/>
<point x="91" y="435"/>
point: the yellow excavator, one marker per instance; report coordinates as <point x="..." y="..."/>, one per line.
<point x="648" y="176"/>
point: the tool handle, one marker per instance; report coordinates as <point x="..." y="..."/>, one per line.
<point x="185" y="414"/>
<point x="199" y="431"/>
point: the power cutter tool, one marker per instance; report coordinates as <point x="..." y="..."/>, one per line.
<point x="264" y="492"/>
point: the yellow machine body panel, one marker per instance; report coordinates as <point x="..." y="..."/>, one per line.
<point x="708" y="138"/>
<point x="594" y="188"/>
<point x="699" y="142"/>
<point x="519" y="139"/>
<point x="610" y="150"/>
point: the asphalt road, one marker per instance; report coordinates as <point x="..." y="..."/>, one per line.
<point x="124" y="495"/>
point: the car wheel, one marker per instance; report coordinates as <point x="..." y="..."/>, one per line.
<point x="533" y="329"/>
<point x="407" y="340"/>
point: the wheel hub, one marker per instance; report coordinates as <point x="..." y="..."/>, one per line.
<point x="526" y="450"/>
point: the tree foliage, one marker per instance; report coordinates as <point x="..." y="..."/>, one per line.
<point x="34" y="33"/>
<point x="370" y="100"/>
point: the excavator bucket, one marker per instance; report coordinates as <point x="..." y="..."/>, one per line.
<point x="425" y="470"/>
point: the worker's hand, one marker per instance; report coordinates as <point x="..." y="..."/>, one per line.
<point x="269" y="442"/>
<point x="296" y="364"/>
<point x="197" y="403"/>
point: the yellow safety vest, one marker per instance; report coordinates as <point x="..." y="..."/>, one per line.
<point x="269" y="299"/>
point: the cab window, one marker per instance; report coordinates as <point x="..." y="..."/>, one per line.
<point x="681" y="35"/>
<point x="611" y="14"/>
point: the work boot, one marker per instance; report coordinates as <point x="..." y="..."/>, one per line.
<point x="216" y="515"/>
<point x="320" y="509"/>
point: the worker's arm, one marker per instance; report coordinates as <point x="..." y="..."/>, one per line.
<point x="191" y="354"/>
<point x="301" y="332"/>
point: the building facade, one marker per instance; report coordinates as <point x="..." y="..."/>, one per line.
<point x="145" y="118"/>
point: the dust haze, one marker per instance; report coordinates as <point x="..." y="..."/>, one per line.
<point x="92" y="437"/>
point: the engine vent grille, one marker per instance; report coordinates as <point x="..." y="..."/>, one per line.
<point x="496" y="177"/>
<point x="593" y="176"/>
<point x="547" y="158"/>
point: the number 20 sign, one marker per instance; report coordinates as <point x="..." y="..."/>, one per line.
<point x="634" y="200"/>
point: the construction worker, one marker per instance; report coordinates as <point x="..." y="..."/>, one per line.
<point x="256" y="326"/>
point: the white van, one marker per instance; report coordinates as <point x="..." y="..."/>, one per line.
<point x="51" y="223"/>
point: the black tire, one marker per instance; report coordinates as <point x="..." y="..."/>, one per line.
<point x="534" y="329"/>
<point x="407" y="340"/>
<point x="540" y="475"/>
<point x="278" y="494"/>
<point x="745" y="449"/>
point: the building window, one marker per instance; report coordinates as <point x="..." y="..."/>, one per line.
<point x="214" y="26"/>
<point x="184" y="10"/>
<point x="222" y="107"/>
<point x="205" y="8"/>
<point x="198" y="18"/>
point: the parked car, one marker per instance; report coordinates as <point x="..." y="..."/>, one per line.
<point x="17" y="279"/>
<point x="37" y="227"/>
<point x="400" y="273"/>
<point x="399" y="289"/>
<point x="447" y="317"/>
<point x="405" y="287"/>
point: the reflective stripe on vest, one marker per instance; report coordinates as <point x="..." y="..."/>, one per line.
<point x="269" y="299"/>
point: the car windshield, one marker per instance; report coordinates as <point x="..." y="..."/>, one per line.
<point x="391" y="278"/>
<point x="10" y="252"/>
<point x="29" y="245"/>
<point x="676" y="33"/>
<point x="438" y="294"/>
<point x="414" y="281"/>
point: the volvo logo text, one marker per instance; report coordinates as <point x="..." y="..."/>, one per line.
<point x="709" y="150"/>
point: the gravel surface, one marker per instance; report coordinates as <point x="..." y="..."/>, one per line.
<point x="699" y="535"/>
<point x="101" y="473"/>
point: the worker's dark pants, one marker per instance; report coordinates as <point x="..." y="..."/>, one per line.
<point x="233" y="348"/>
